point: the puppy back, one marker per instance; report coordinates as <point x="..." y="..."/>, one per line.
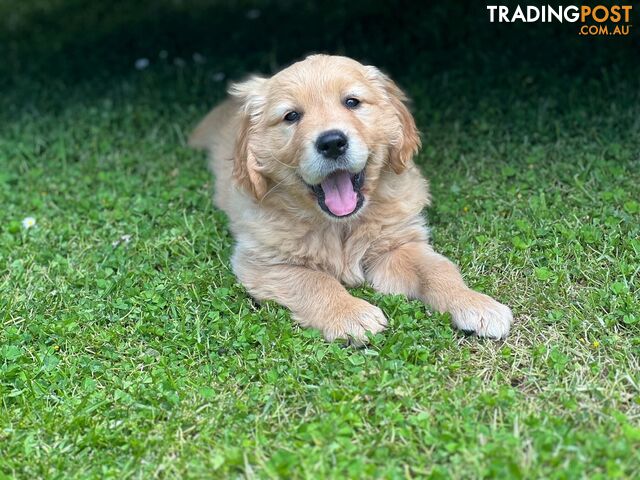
<point x="215" y="125"/>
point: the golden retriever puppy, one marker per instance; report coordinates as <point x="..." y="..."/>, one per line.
<point x="314" y="168"/>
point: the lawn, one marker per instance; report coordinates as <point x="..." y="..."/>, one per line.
<point x="128" y="349"/>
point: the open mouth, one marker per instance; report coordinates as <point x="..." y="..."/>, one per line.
<point x="340" y="193"/>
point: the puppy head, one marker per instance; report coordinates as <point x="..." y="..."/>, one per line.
<point x="320" y="131"/>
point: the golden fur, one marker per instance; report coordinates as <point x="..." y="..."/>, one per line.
<point x="288" y="249"/>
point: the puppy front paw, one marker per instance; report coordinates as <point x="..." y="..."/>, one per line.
<point x="482" y="315"/>
<point x="353" y="321"/>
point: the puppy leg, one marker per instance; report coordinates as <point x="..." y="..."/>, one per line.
<point x="417" y="271"/>
<point x="316" y="299"/>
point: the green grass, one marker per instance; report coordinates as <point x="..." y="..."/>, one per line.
<point x="147" y="359"/>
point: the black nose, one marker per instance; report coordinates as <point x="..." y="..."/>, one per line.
<point x="332" y="144"/>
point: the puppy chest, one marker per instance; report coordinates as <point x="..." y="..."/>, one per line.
<point x="331" y="252"/>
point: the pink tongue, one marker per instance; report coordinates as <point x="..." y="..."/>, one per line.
<point x="339" y="196"/>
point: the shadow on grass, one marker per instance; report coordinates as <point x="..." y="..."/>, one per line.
<point x="73" y="41"/>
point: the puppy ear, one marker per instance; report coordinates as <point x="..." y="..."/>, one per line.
<point x="408" y="141"/>
<point x="246" y="167"/>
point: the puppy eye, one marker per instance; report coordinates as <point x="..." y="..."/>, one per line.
<point x="351" y="102"/>
<point x="292" y="117"/>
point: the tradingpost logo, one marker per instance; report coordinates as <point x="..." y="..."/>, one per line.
<point x="592" y="20"/>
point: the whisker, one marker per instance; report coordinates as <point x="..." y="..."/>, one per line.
<point x="273" y="157"/>
<point x="274" y="187"/>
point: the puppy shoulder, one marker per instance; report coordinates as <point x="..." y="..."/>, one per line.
<point x="409" y="188"/>
<point x="419" y="185"/>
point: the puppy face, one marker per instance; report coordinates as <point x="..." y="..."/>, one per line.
<point x="320" y="131"/>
